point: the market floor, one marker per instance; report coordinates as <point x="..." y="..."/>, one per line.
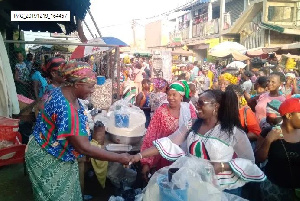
<point x="15" y="186"/>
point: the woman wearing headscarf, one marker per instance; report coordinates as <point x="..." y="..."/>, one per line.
<point x="165" y="121"/>
<point x="290" y="87"/>
<point x="216" y="136"/>
<point x="225" y="80"/>
<point x="52" y="72"/>
<point x="61" y="136"/>
<point x="281" y="148"/>
<point x="159" y="96"/>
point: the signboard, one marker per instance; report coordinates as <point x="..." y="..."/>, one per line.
<point x="162" y="64"/>
<point x="212" y="42"/>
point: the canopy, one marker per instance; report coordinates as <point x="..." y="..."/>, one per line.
<point x="291" y="46"/>
<point x="238" y="56"/>
<point x="182" y="52"/>
<point x="261" y="50"/>
<point x="77" y="8"/>
<point x="226" y="48"/>
<point x="83" y="51"/>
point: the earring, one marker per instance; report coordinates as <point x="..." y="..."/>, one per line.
<point x="214" y="112"/>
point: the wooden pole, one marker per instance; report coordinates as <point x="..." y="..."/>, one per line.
<point x="133" y="33"/>
<point x="88" y="28"/>
<point x="118" y="66"/>
<point x="90" y="13"/>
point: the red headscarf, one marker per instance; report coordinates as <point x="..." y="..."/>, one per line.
<point x="289" y="106"/>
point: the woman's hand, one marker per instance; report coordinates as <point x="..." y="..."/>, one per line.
<point x="125" y="158"/>
<point x="145" y="172"/>
<point x="136" y="158"/>
<point x="274" y="134"/>
<point x="218" y="167"/>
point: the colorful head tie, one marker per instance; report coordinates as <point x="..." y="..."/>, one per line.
<point x="181" y="87"/>
<point x="159" y="83"/>
<point x="78" y="72"/>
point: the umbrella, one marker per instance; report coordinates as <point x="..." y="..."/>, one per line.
<point x="236" y="65"/>
<point x="83" y="51"/>
<point x="226" y="48"/>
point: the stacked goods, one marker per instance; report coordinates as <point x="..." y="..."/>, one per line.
<point x="9" y="135"/>
<point x="102" y="97"/>
<point x="290" y="64"/>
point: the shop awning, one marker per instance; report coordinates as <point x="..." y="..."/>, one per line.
<point x="182" y="52"/>
<point x="271" y="27"/>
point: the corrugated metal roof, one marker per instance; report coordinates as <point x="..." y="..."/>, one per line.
<point x="193" y="4"/>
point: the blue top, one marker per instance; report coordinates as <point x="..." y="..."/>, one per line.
<point x="57" y="121"/>
<point x="37" y="76"/>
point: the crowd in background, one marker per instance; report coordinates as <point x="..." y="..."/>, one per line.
<point x="263" y="114"/>
<point x="245" y="122"/>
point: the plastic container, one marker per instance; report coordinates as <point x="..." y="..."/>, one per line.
<point x="7" y="127"/>
<point x="121" y="118"/>
<point x="100" y="80"/>
<point x="166" y="193"/>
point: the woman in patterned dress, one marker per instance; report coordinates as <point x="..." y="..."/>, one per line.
<point x="22" y="77"/>
<point x="159" y="96"/>
<point x="52" y="72"/>
<point x="164" y="122"/>
<point x="61" y="136"/>
<point x="216" y="136"/>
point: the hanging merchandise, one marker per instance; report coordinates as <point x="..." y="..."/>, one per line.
<point x="290" y="64"/>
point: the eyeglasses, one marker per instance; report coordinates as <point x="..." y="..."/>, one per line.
<point x="201" y="103"/>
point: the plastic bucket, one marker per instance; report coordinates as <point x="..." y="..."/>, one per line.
<point x="167" y="194"/>
<point x="121" y="120"/>
<point x="100" y="80"/>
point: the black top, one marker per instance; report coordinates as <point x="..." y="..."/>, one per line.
<point x="278" y="169"/>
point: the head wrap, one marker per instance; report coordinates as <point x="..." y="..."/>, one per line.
<point x="159" y="83"/>
<point x="181" y="87"/>
<point x="289" y="106"/>
<point x="78" y="72"/>
<point x="292" y="75"/>
<point x="205" y="68"/>
<point x="53" y="64"/>
<point x="228" y="77"/>
<point x="273" y="108"/>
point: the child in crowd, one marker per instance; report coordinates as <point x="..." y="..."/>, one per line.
<point x="261" y="86"/>
<point x="100" y="167"/>
<point x="143" y="101"/>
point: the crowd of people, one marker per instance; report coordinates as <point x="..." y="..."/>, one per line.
<point x="247" y="126"/>
<point x="245" y="123"/>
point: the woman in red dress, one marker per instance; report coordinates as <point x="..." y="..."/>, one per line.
<point x="165" y="121"/>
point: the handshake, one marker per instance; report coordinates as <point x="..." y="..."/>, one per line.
<point x="127" y="159"/>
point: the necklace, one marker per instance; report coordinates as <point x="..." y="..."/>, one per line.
<point x="288" y="159"/>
